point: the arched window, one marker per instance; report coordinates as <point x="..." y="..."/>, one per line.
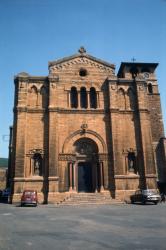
<point x="43" y="93"/>
<point x="150" y="88"/>
<point x="33" y="97"/>
<point x="131" y="100"/>
<point x="37" y="164"/>
<point x="83" y="98"/>
<point x="121" y="99"/>
<point x="74" y="97"/>
<point x="93" y="98"/>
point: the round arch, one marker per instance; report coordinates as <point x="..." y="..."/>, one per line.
<point x="71" y="139"/>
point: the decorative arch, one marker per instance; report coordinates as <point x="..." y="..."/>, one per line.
<point x="83" y="98"/>
<point x="85" y="146"/>
<point x="121" y="99"/>
<point x="33" y="89"/>
<point x="74" y="97"/>
<point x="71" y="139"/>
<point x="33" y="96"/>
<point x="131" y="99"/>
<point x="43" y="93"/>
<point x="150" y="88"/>
<point x="93" y="98"/>
<point x="37" y="164"/>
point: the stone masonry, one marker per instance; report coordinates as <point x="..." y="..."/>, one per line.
<point x="83" y="128"/>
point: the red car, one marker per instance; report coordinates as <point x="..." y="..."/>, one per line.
<point x="29" y="197"/>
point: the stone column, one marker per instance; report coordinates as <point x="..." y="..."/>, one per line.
<point x="52" y="134"/>
<point x="69" y="101"/>
<point x="79" y="100"/>
<point x="74" y="176"/>
<point x="96" y="178"/>
<point x="98" y="100"/>
<point x="88" y="100"/>
<point x="101" y="177"/>
<point x="70" y="176"/>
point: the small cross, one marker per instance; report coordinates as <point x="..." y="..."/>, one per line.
<point x="82" y="50"/>
<point x="133" y="59"/>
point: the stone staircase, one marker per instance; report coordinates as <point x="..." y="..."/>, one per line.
<point x="103" y="198"/>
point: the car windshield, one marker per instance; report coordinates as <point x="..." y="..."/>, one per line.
<point x="149" y="192"/>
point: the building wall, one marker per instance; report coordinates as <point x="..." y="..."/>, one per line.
<point x="125" y="121"/>
<point x="3" y="174"/>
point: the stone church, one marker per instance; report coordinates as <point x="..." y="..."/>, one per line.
<point x="85" y="129"/>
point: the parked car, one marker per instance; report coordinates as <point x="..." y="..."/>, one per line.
<point x="0" y="194"/>
<point x="29" y="197"/>
<point x="5" y="194"/>
<point x="143" y="196"/>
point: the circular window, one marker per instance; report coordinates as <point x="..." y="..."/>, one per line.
<point x="83" y="72"/>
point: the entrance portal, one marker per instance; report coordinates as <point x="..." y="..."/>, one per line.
<point x="85" y="177"/>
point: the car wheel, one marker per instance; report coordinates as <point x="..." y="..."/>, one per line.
<point x="155" y="202"/>
<point x="132" y="201"/>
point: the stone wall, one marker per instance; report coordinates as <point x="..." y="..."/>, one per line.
<point x="126" y="119"/>
<point x="3" y="173"/>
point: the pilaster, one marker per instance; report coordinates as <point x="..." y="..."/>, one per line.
<point x="145" y="129"/>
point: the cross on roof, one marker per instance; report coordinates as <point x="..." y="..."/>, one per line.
<point x="82" y="50"/>
<point x="133" y="59"/>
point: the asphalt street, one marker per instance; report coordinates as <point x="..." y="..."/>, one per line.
<point x="84" y="228"/>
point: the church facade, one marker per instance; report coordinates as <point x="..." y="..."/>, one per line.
<point x="83" y="128"/>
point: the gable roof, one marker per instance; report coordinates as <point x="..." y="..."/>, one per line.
<point x="82" y="53"/>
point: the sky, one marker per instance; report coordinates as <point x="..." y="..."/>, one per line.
<point x="34" y="32"/>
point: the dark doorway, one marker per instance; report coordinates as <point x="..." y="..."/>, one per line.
<point x="85" y="177"/>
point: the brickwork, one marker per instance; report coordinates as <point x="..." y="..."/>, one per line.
<point x="113" y="115"/>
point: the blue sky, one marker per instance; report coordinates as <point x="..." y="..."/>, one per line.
<point x="34" y="32"/>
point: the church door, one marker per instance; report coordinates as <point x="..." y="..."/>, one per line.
<point x="85" y="183"/>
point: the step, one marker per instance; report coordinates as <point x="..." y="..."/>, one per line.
<point x="89" y="199"/>
<point x="90" y="203"/>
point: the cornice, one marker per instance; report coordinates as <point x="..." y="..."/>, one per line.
<point x="58" y="110"/>
<point x="29" y="110"/>
<point x="30" y="79"/>
<point x="125" y="80"/>
<point x="38" y="78"/>
<point x="76" y="111"/>
<point x="79" y="55"/>
<point x="114" y="110"/>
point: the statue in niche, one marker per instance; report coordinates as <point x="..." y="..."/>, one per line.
<point x="37" y="164"/>
<point x="131" y="161"/>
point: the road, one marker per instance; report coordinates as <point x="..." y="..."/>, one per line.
<point x="84" y="228"/>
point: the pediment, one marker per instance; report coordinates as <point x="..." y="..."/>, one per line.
<point x="82" y="59"/>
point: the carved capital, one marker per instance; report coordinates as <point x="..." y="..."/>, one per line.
<point x="35" y="151"/>
<point x="67" y="157"/>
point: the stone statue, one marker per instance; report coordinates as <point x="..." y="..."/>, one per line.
<point x="37" y="167"/>
<point x="131" y="161"/>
